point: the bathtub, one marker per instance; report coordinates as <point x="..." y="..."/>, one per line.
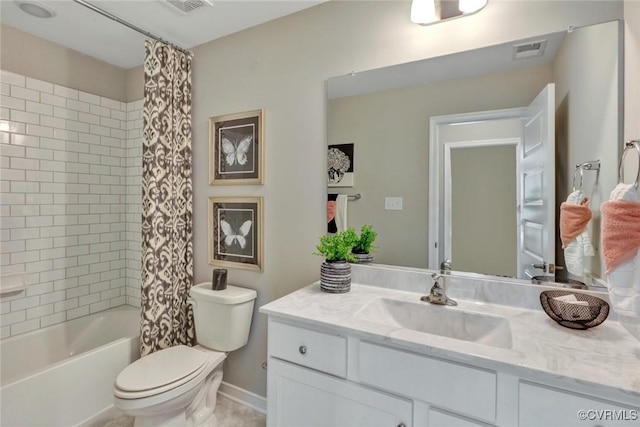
<point x="63" y="375"/>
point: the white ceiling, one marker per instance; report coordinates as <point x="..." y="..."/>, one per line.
<point x="81" y="29"/>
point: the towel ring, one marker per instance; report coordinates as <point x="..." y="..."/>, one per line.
<point x="629" y="145"/>
<point x="578" y="168"/>
<point x="591" y="165"/>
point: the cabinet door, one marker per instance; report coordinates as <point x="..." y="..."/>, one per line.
<point x="541" y="406"/>
<point x="452" y="386"/>
<point x="300" y="397"/>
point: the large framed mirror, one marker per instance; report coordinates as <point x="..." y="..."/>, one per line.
<point x="447" y="138"/>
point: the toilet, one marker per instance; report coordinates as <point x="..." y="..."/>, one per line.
<point x="178" y="386"/>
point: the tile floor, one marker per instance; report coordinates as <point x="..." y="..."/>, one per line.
<point x="228" y="412"/>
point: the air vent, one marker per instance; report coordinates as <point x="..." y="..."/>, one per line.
<point x="529" y="50"/>
<point x="186" y="6"/>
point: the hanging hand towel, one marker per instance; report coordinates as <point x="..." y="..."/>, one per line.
<point x="576" y="241"/>
<point x="620" y="245"/>
<point x="331" y="213"/>
<point x="341" y="212"/>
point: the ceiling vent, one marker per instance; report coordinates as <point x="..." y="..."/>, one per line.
<point x="529" y="50"/>
<point x="186" y="6"/>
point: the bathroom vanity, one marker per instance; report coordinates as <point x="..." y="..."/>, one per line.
<point x="378" y="356"/>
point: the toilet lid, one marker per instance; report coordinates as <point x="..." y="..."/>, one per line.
<point x="161" y="368"/>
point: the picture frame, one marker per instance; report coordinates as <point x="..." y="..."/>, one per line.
<point x="340" y="165"/>
<point x="236" y="230"/>
<point x="236" y="149"/>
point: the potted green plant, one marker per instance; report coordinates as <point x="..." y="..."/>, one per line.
<point x="335" y="272"/>
<point x="364" y="246"/>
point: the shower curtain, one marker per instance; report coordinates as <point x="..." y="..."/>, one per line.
<point x="167" y="206"/>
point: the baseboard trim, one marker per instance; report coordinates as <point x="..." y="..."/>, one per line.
<point x="100" y="418"/>
<point x="244" y="397"/>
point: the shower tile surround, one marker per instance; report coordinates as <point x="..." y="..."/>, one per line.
<point x="70" y="167"/>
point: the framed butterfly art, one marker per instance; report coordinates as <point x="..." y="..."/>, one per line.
<point x="235" y="232"/>
<point x="236" y="149"/>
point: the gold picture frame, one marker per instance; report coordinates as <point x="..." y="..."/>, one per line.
<point x="236" y="230"/>
<point x="236" y="149"/>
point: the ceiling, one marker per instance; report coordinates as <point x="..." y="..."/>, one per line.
<point x="81" y="29"/>
<point x="492" y="59"/>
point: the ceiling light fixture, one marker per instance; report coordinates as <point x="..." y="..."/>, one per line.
<point x="470" y="6"/>
<point x="36" y="9"/>
<point x="423" y="12"/>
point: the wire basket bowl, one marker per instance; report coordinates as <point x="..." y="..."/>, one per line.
<point x="571" y="315"/>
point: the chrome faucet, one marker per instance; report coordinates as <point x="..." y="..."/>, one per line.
<point x="437" y="293"/>
<point x="445" y="266"/>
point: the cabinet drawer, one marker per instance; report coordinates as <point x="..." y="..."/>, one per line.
<point x="451" y="386"/>
<point x="545" y="406"/>
<point x="316" y="350"/>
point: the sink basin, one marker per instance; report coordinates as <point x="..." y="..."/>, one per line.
<point x="452" y="322"/>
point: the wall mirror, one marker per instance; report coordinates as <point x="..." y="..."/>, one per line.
<point x="447" y="136"/>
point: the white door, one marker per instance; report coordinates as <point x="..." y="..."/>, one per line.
<point x="536" y="254"/>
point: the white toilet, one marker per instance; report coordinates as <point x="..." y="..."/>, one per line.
<point x="177" y="386"/>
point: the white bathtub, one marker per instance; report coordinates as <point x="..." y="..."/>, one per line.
<point x="63" y="375"/>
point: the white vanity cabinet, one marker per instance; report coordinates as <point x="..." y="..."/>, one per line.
<point x="319" y="377"/>
<point x="307" y="385"/>
<point x="455" y="387"/>
<point x="544" y="406"/>
<point x="304" y="397"/>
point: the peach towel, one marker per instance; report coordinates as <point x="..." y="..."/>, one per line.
<point x="620" y="232"/>
<point x="573" y="220"/>
<point x="331" y="210"/>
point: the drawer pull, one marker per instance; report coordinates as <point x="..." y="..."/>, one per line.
<point x="402" y="425"/>
<point x="303" y="349"/>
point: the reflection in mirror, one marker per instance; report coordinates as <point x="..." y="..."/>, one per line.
<point x="530" y="132"/>
<point x="388" y="114"/>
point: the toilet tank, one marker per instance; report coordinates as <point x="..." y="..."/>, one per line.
<point x="222" y="318"/>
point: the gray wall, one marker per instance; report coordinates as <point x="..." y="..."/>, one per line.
<point x="135" y="83"/>
<point x="484" y="205"/>
<point x="631" y="72"/>
<point x="41" y="59"/>
<point x="583" y="132"/>
<point x="282" y="66"/>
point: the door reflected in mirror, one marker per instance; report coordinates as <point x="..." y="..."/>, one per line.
<point x="386" y="114"/>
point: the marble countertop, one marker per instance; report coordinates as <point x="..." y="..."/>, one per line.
<point x="606" y="356"/>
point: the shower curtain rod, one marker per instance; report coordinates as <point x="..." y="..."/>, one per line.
<point x="127" y="24"/>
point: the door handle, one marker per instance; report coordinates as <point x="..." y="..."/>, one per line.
<point x="553" y="268"/>
<point x="542" y="266"/>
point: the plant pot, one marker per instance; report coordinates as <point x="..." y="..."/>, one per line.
<point x="335" y="277"/>
<point x="363" y="258"/>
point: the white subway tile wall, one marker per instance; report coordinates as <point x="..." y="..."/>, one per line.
<point x="70" y="176"/>
<point x="132" y="155"/>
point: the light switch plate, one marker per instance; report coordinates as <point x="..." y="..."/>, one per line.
<point x="393" y="203"/>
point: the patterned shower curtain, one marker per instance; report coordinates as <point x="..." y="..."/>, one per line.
<point x="167" y="207"/>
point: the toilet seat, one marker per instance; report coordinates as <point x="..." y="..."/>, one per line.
<point x="163" y="371"/>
